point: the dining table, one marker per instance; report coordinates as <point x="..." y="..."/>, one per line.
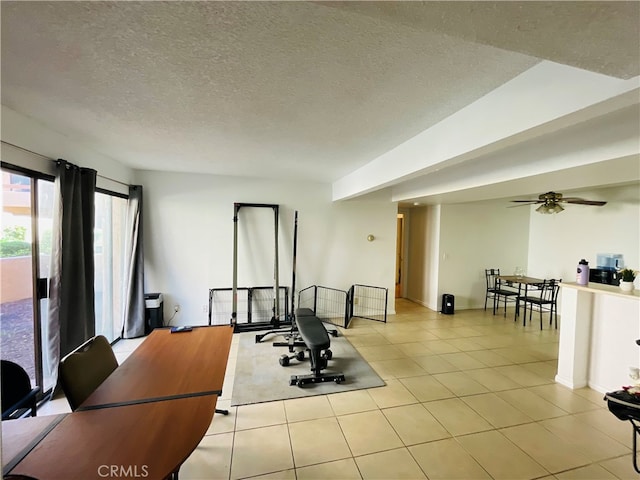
<point x="524" y="284"/>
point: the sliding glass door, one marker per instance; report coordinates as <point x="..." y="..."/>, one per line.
<point x="25" y="257"/>
<point x="25" y="247"/>
<point x="108" y="252"/>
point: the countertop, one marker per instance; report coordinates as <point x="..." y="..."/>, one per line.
<point x="599" y="288"/>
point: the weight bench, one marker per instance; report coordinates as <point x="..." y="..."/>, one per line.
<point x="307" y="312"/>
<point x="317" y="340"/>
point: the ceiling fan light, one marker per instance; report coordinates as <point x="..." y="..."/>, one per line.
<point x="543" y="209"/>
<point x="557" y="208"/>
<point x="549" y="208"/>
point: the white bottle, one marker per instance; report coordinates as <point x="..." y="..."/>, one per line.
<point x="582" y="272"/>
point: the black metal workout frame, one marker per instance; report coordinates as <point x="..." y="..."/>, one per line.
<point x="275" y="320"/>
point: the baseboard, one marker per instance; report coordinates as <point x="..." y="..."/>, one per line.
<point x="419" y="302"/>
<point x="571" y="384"/>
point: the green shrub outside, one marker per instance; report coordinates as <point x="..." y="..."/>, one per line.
<point x="14" y="248"/>
<point x="13" y="242"/>
<point x="14" y="233"/>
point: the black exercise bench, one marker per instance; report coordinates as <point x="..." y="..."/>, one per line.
<point x="316" y="338"/>
<point x="307" y="312"/>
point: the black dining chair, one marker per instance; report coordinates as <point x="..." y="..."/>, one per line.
<point x="490" y="275"/>
<point x="545" y="300"/>
<point x="18" y="397"/>
<point x="505" y="292"/>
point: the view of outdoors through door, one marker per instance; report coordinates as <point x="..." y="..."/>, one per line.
<point x="108" y="255"/>
<point x="25" y="247"/>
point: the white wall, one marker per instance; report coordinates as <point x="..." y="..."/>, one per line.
<point x="452" y="245"/>
<point x="477" y="236"/>
<point x="188" y="230"/>
<point x="33" y="135"/>
<point x="558" y="242"/>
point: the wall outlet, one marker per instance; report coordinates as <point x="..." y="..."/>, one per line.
<point x="176" y="308"/>
<point x="205" y="308"/>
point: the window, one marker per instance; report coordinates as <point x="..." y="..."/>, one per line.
<point x="108" y="251"/>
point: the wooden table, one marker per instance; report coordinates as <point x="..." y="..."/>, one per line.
<point x="520" y="280"/>
<point x="19" y="436"/>
<point x="143" y="421"/>
<point x="145" y="440"/>
<point x="168" y="365"/>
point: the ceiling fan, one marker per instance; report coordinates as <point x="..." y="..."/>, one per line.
<point x="550" y="202"/>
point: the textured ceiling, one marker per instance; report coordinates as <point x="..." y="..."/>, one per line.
<point x="298" y="90"/>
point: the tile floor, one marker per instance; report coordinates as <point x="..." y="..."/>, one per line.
<point x="468" y="396"/>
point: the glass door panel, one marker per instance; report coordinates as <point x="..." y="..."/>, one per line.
<point x="108" y="253"/>
<point x="20" y="236"/>
<point x="44" y="235"/>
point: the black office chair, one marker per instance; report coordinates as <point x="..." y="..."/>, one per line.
<point x="490" y="275"/>
<point x="547" y="300"/>
<point x="84" y="369"/>
<point x="18" y="397"/>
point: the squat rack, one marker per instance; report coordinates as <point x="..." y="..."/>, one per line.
<point x="234" y="308"/>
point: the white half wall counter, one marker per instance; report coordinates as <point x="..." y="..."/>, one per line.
<point x="598" y="331"/>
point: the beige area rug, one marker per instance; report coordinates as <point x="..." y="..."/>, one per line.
<point x="259" y="377"/>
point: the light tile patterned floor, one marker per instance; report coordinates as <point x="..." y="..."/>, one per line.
<point x="468" y="396"/>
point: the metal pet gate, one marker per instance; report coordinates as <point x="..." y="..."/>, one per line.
<point x="329" y="304"/>
<point x="339" y="307"/>
<point x="369" y="302"/>
<point x="254" y="307"/>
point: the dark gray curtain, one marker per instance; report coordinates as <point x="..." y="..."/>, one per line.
<point x="134" y="322"/>
<point x="71" y="318"/>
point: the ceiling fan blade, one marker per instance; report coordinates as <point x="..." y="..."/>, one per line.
<point x="551" y="201"/>
<point x="580" y="201"/>
<point x="522" y="205"/>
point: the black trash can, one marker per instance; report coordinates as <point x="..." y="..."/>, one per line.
<point x="153" y="311"/>
<point x="447" y="304"/>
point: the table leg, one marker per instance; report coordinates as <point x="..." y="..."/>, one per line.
<point x="517" y="312"/>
